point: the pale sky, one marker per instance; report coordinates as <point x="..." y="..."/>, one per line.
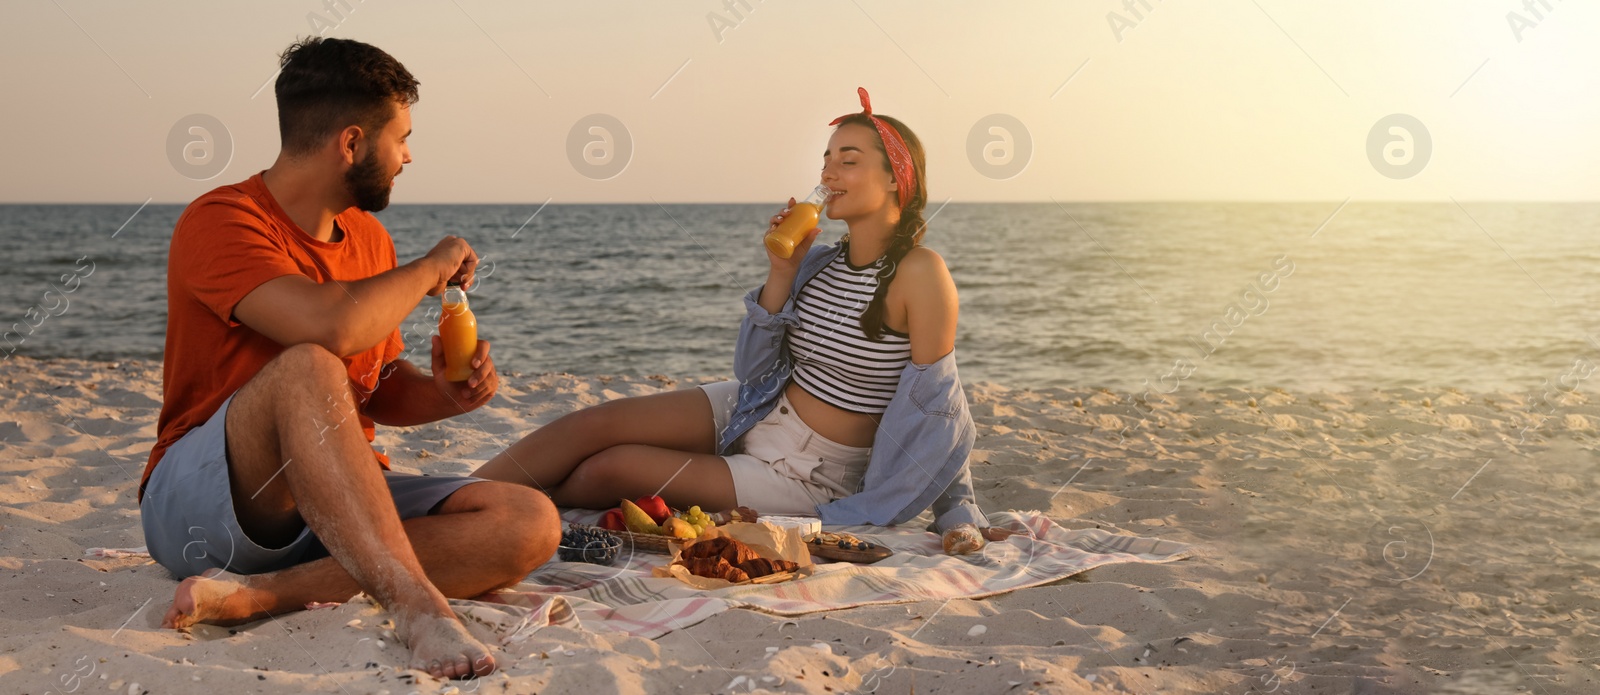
<point x="1230" y="100"/>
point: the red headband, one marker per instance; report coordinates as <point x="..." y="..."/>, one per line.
<point x="905" y="175"/>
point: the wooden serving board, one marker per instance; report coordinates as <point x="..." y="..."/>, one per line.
<point x="864" y="557"/>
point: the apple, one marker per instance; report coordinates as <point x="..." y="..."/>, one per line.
<point x="612" y="521"/>
<point x="655" y="507"/>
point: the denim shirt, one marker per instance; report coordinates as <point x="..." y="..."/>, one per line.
<point x="919" y="454"/>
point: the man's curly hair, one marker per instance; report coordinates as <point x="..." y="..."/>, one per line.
<point x="327" y="85"/>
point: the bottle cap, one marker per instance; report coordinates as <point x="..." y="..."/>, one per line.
<point x="453" y="283"/>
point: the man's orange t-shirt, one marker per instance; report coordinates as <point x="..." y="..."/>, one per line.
<point x="227" y="243"/>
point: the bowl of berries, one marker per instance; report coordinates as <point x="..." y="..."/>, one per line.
<point x="595" y="546"/>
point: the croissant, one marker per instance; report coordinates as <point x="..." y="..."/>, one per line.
<point x="711" y="547"/>
<point x="726" y="548"/>
<point x="715" y="568"/>
<point x="761" y="567"/>
<point x="704" y="566"/>
<point x="737" y="553"/>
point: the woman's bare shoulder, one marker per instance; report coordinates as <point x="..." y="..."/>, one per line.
<point x="924" y="268"/>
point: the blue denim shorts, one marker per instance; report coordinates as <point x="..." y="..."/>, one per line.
<point x="188" y="514"/>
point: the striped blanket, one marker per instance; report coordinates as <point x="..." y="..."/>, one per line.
<point x="626" y="598"/>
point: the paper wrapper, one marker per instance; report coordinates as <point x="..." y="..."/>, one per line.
<point x="766" y="540"/>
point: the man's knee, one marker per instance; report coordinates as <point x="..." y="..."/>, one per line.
<point x="308" y="361"/>
<point x="531" y="524"/>
<point x="302" y="380"/>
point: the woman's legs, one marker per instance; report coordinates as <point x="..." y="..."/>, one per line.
<point x="680" y="421"/>
<point x="630" y="471"/>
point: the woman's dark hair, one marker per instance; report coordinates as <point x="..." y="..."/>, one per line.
<point x="908" y="233"/>
<point x="327" y="85"/>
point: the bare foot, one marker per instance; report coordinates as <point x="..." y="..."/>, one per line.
<point x="997" y="534"/>
<point x="216" y="598"/>
<point x="441" y="646"/>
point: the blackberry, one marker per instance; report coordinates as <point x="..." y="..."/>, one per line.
<point x="588" y="544"/>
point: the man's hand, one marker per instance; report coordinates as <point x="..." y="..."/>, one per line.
<point x="451" y="259"/>
<point x="347" y="317"/>
<point x="478" y="389"/>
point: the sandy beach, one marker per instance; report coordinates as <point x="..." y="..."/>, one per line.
<point x="1369" y="541"/>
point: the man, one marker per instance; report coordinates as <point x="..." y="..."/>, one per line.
<point x="263" y="492"/>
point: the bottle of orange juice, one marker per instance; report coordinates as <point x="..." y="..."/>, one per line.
<point x="803" y="217"/>
<point x="458" y="330"/>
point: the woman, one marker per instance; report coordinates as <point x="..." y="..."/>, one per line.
<point x="846" y="405"/>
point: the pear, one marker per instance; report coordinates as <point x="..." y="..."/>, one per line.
<point x="678" y="528"/>
<point x="637" y="520"/>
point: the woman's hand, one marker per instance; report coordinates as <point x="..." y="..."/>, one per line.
<point x="789" y="267"/>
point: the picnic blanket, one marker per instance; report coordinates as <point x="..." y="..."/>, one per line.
<point x="626" y="598"/>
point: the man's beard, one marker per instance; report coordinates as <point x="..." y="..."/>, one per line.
<point x="368" y="184"/>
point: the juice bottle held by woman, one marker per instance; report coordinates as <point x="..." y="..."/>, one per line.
<point x="803" y="217"/>
<point x="458" y="331"/>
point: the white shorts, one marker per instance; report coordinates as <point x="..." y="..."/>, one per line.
<point x="786" y="468"/>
